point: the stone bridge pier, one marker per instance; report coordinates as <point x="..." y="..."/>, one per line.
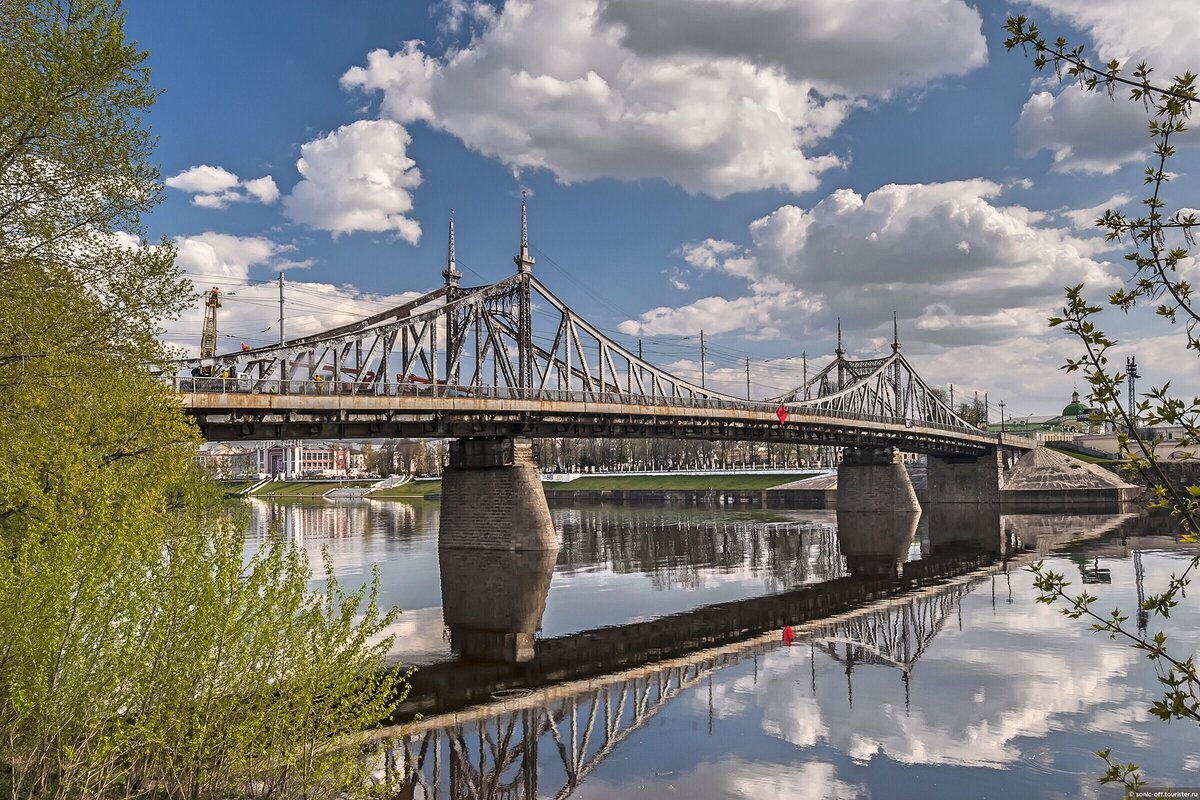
<point x="492" y="498"/>
<point x="874" y="479"/>
<point x="965" y="479"/>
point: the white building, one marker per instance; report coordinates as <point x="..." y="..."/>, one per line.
<point x="298" y="459"/>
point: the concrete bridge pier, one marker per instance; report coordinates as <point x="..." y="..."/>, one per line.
<point x="965" y="479"/>
<point x="492" y="498"/>
<point x="874" y="479"/>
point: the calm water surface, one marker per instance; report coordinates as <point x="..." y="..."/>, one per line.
<point x="964" y="689"/>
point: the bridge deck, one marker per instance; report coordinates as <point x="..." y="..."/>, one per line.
<point x="236" y="415"/>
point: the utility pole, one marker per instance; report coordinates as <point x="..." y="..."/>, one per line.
<point x="987" y="410"/>
<point x="281" y="306"/>
<point x="1131" y="371"/>
<point x="952" y="398"/>
<point x="804" y="363"/>
<point x="702" y="386"/>
<point x="1002" y="416"/>
<point x="640" y="348"/>
<point x="747" y="377"/>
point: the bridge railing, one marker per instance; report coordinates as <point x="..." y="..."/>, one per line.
<point x="355" y="388"/>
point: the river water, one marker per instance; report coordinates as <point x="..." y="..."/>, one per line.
<point x="963" y="687"/>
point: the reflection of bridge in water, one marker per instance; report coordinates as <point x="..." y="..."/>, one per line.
<point x="546" y="743"/>
<point x="602" y="686"/>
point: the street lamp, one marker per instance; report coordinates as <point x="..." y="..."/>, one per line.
<point x="1002" y="416"/>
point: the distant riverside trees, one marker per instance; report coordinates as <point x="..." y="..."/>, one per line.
<point x="577" y="455"/>
<point x="140" y="654"/>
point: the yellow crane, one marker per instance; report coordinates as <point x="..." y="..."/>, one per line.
<point x="208" y="336"/>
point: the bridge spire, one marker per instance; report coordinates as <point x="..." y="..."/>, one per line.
<point x="524" y="261"/>
<point x="895" y="333"/>
<point x="841" y="357"/>
<point x="451" y="273"/>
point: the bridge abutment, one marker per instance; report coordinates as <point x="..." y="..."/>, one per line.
<point x="874" y="479"/>
<point x="492" y="498"/>
<point x="965" y="479"/>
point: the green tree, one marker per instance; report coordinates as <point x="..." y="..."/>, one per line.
<point x="139" y="654"/>
<point x="1159" y="240"/>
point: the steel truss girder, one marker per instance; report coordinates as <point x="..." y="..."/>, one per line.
<point x="515" y="339"/>
<point x="486" y="335"/>
<point x="881" y="387"/>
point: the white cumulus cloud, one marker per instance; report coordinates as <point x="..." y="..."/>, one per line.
<point x="972" y="280"/>
<point x="1087" y="131"/>
<point x="216" y="187"/>
<point x="357" y="178"/>
<point x="715" y="96"/>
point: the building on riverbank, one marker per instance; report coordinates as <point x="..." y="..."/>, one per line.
<point x="299" y="459"/>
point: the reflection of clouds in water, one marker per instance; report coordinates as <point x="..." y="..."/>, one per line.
<point x="975" y="696"/>
<point x="734" y="778"/>
<point x="798" y="722"/>
<point x="419" y="637"/>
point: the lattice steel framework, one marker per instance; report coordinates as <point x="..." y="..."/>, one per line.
<point x="878" y="387"/>
<point x="461" y="338"/>
<point x="515" y="339"/>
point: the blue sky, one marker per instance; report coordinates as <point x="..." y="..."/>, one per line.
<point x="755" y="168"/>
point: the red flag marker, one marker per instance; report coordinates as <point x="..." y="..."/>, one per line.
<point x="782" y="414"/>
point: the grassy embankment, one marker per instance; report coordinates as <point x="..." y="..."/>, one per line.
<point x="236" y="485"/>
<point x="1090" y="459"/>
<point x="307" y="488"/>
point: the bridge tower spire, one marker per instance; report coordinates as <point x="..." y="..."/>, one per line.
<point x="454" y="322"/>
<point x="524" y="263"/>
<point x="451" y="273"/>
<point x="897" y="377"/>
<point x="841" y="357"/>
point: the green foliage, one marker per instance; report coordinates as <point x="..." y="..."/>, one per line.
<point x="1159" y="241"/>
<point x="140" y="654"/>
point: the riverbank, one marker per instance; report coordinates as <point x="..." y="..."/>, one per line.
<point x="609" y="486"/>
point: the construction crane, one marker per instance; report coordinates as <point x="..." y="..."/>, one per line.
<point x="208" y="336"/>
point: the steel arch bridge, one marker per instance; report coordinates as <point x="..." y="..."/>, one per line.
<point x="512" y="359"/>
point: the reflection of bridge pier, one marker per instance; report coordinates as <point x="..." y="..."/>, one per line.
<point x="965" y="527"/>
<point x="492" y="498"/>
<point x="498" y="619"/>
<point x="875" y="544"/>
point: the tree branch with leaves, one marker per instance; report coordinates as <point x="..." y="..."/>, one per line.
<point x="1160" y="242"/>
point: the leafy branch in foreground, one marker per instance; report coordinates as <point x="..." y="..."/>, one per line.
<point x="1160" y="242"/>
<point x="141" y="654"/>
